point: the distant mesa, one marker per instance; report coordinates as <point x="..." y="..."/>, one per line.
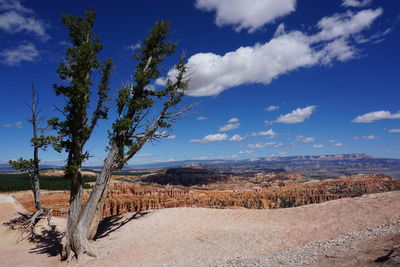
<point x="186" y="177"/>
<point x="337" y="157"/>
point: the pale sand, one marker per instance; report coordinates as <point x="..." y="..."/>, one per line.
<point x="208" y="237"/>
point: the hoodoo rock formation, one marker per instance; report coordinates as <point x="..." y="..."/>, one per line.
<point x="129" y="197"/>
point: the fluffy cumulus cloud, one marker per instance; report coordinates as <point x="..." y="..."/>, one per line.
<point x="13" y="22"/>
<point x="356" y="3"/>
<point x="366" y="137"/>
<point x="212" y="74"/>
<point x="271" y="108"/>
<point x="375" y="116"/>
<point x="318" y="146"/>
<point x="297" y="115"/>
<point x="211" y="138"/>
<point x="15" y="18"/>
<point x="233" y="120"/>
<point x="23" y="52"/>
<point x="245" y="15"/>
<point x="171" y="136"/>
<point x="394" y="131"/>
<point x="237" y="138"/>
<point x="339" y="144"/>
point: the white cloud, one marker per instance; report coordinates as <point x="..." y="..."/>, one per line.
<point x="394" y="131"/>
<point x="356" y="3"/>
<point x="133" y="47"/>
<point x="375" y="38"/>
<point x="18" y="124"/>
<point x="272" y="108"/>
<point x="145" y="155"/>
<point x="263" y="145"/>
<point x="367" y="137"/>
<point x="318" y="146"/>
<point x="212" y="74"/>
<point x="231" y="125"/>
<point x="261" y="63"/>
<point x="237" y="138"/>
<point x="201" y="118"/>
<point x="339" y="50"/>
<point x="171" y="136"/>
<point x="339" y="144"/>
<point x="270" y="133"/>
<point x="233" y="120"/>
<point x="13" y="22"/>
<point x="304" y="139"/>
<point x="332" y="141"/>
<point x="245" y="15"/>
<point x="297" y="115"/>
<point x="246" y="152"/>
<point x="14" y="5"/>
<point x="211" y="138"/>
<point x="345" y="24"/>
<point x="23" y="52"/>
<point x="376" y="115"/>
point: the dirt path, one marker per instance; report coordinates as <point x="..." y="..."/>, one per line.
<point x="210" y="237"/>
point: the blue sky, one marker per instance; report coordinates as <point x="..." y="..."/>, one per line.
<point x="272" y="77"/>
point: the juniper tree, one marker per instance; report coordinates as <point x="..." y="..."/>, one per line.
<point x="134" y="127"/>
<point x="75" y="130"/>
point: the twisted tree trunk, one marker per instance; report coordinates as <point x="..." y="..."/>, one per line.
<point x="82" y="223"/>
<point x="75" y="209"/>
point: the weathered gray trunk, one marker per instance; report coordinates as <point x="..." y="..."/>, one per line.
<point x="34" y="121"/>
<point x="93" y="210"/>
<point x="82" y="224"/>
<point x="98" y="215"/>
<point x="74" y="212"/>
<point x="36" y="183"/>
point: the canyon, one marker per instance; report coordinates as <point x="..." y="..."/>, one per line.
<point x="167" y="189"/>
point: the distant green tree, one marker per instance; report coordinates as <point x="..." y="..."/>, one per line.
<point x="38" y="141"/>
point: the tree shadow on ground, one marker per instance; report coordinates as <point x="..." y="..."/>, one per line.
<point x="111" y="224"/>
<point x="48" y="242"/>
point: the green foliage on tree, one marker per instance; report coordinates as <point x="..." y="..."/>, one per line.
<point x="76" y="75"/>
<point x="134" y="127"/>
<point x="23" y="165"/>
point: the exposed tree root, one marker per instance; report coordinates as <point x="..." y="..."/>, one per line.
<point x="76" y="246"/>
<point x="26" y="224"/>
<point x="394" y="252"/>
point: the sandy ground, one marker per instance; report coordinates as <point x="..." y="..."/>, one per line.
<point x="346" y="232"/>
